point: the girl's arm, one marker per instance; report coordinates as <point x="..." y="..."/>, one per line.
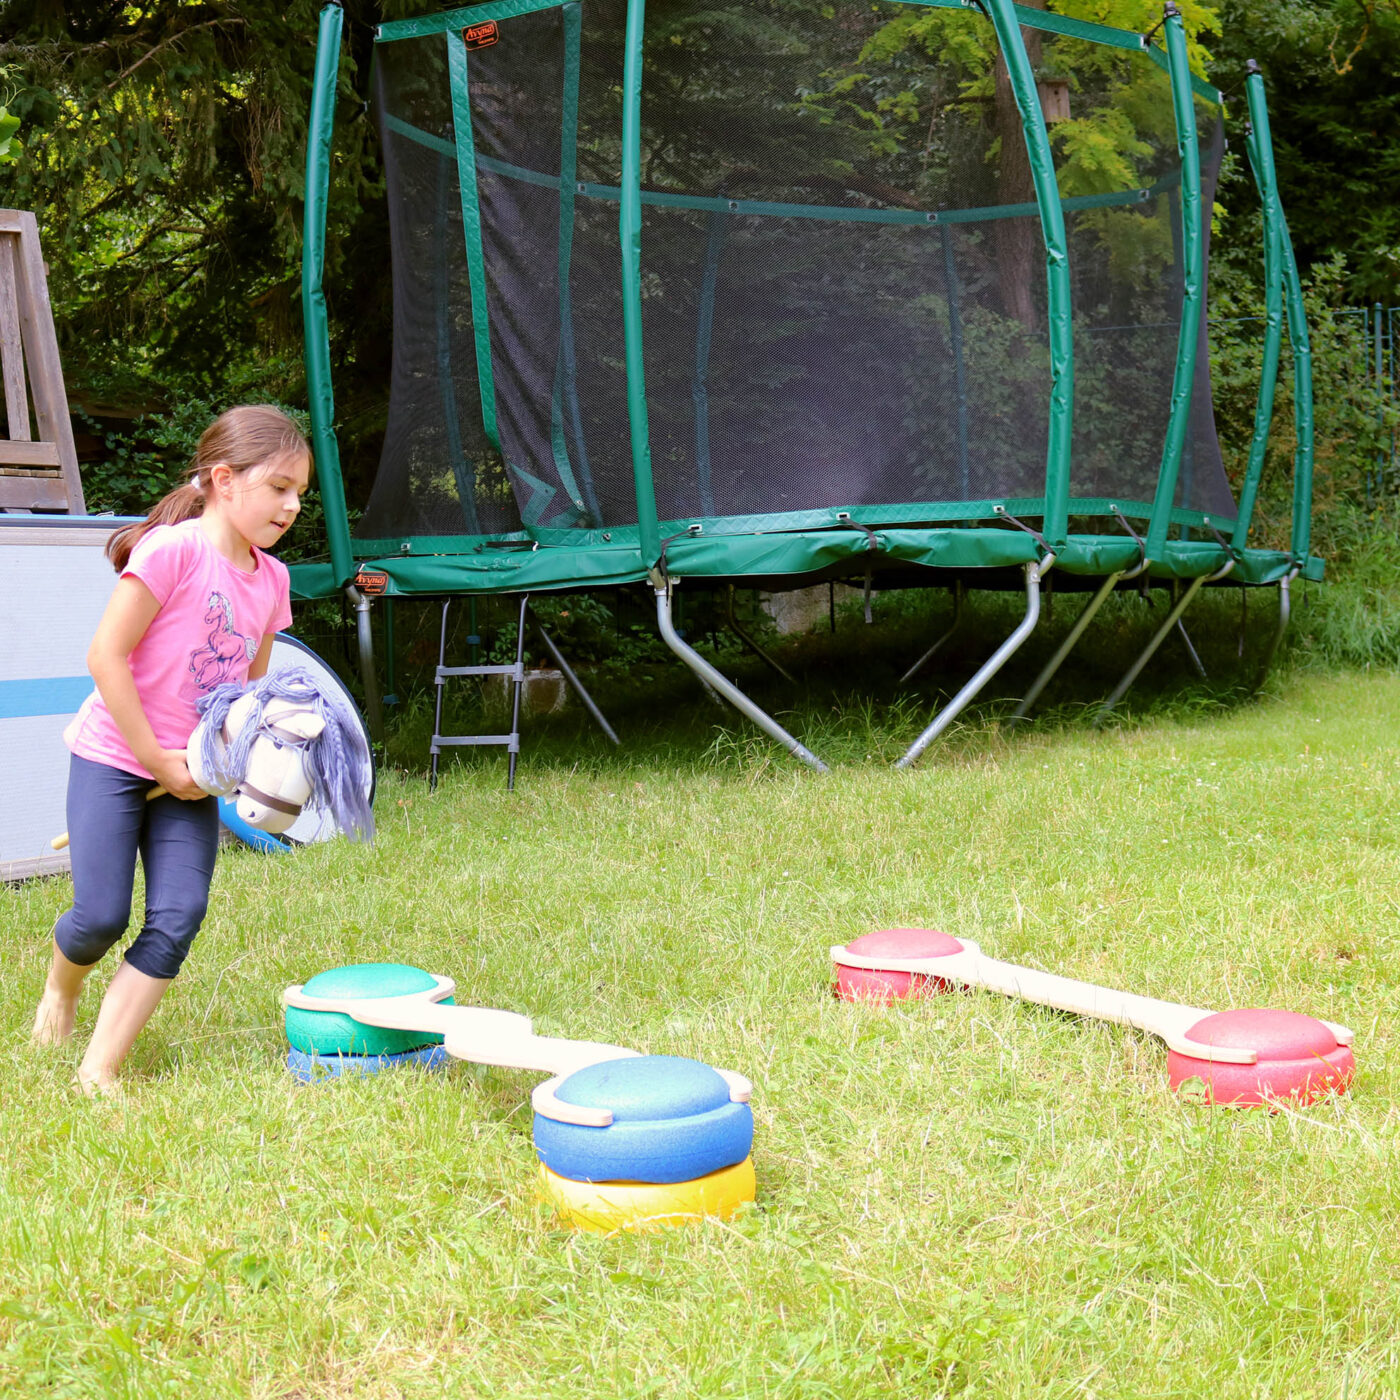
<point x="258" y="669"/>
<point x="131" y="611"/>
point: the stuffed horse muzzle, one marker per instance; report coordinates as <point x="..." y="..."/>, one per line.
<point x="275" y="785"/>
<point x="281" y="745"/>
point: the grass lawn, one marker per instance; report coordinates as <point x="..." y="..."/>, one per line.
<point x="966" y="1196"/>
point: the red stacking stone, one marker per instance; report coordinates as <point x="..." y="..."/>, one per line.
<point x="1300" y="1059"/>
<point x="859" y="984"/>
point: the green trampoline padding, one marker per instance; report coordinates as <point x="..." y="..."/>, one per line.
<point x="810" y="555"/>
<point x="331" y="1033"/>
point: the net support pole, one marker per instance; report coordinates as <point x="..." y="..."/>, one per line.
<point x="630" y="232"/>
<point x="1193" y="282"/>
<point x="1052" y="226"/>
<point x="719" y="683"/>
<point x="315" y="331"/>
<point x="1261" y="160"/>
<point x="1034" y="574"/>
<point x="1304" y="426"/>
<point x="458" y="76"/>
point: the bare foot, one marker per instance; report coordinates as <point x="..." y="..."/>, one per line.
<point x="98" y="1084"/>
<point x="53" y="1021"/>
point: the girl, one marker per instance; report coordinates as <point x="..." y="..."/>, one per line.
<point x="196" y="605"/>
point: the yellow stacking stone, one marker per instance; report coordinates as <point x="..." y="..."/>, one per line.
<point x="605" y="1206"/>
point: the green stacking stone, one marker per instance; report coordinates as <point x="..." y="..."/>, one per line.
<point x="332" y="1033"/>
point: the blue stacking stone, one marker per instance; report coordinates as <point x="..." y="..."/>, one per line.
<point x="673" y="1120"/>
<point x="311" y="1068"/>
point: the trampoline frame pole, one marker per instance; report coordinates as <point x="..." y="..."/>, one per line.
<point x="1160" y="636"/>
<point x="1193" y="278"/>
<point x="364" y="635"/>
<point x="1302" y="401"/>
<point x="1261" y="159"/>
<point x="1076" y="632"/>
<point x="1060" y="444"/>
<point x="712" y="678"/>
<point x="1285" y="608"/>
<point x="458" y="70"/>
<point x="1034" y="574"/>
<point x="630" y="235"/>
<point x="316" y="334"/>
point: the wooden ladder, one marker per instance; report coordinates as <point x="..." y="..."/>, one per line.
<point x="36" y="473"/>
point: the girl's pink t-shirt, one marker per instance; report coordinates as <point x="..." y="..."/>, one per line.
<point x="212" y="620"/>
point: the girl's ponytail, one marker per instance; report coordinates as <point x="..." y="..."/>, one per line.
<point x="241" y="439"/>
<point x="183" y="503"/>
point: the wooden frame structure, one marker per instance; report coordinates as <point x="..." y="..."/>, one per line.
<point x="36" y="472"/>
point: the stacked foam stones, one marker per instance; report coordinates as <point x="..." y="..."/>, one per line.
<point x="325" y="1044"/>
<point x="676" y="1150"/>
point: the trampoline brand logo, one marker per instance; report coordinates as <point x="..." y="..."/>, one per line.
<point x="480" y="36"/>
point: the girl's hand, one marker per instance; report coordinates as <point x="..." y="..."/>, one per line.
<point x="172" y="772"/>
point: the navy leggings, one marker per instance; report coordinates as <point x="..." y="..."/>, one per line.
<point x="109" y="822"/>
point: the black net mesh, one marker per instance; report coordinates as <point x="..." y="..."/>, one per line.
<point x="831" y="318"/>
<point x="438" y="474"/>
<point x="805" y="356"/>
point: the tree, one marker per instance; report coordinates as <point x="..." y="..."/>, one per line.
<point x="1330" y="68"/>
<point x="165" y="145"/>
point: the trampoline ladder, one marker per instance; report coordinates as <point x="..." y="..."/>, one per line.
<point x="516" y="673"/>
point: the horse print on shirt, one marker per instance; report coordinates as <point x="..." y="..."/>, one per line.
<point x="225" y="651"/>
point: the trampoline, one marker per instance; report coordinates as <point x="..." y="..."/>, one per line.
<point x="668" y="309"/>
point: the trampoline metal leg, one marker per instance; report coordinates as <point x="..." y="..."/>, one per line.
<point x="588" y="701"/>
<point x="1285" y="606"/>
<point x="942" y="641"/>
<point x="752" y="645"/>
<point x="730" y="692"/>
<point x="373" y="710"/>
<point x="1034" y="574"/>
<point x="1191" y="650"/>
<point x="1067" y="646"/>
<point x="513" y="753"/>
<point x="1160" y="636"/>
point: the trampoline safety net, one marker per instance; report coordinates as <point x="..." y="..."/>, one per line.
<point x="831" y="317"/>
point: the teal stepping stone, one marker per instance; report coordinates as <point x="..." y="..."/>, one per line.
<point x="324" y="1033"/>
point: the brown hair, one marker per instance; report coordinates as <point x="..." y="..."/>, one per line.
<point x="239" y="438"/>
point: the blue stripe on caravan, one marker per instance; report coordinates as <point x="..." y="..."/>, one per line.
<point x="48" y="695"/>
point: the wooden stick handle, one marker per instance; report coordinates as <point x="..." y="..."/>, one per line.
<point x="60" y="843"/>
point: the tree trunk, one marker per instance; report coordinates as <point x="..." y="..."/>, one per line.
<point x="1019" y="245"/>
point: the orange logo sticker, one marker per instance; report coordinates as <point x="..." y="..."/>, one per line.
<point x="481" y="36"/>
<point x="371" y="582"/>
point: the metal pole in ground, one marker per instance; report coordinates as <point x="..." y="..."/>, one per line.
<point x="1034" y="574"/>
<point x="718" y="683"/>
<point x="573" y="680"/>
